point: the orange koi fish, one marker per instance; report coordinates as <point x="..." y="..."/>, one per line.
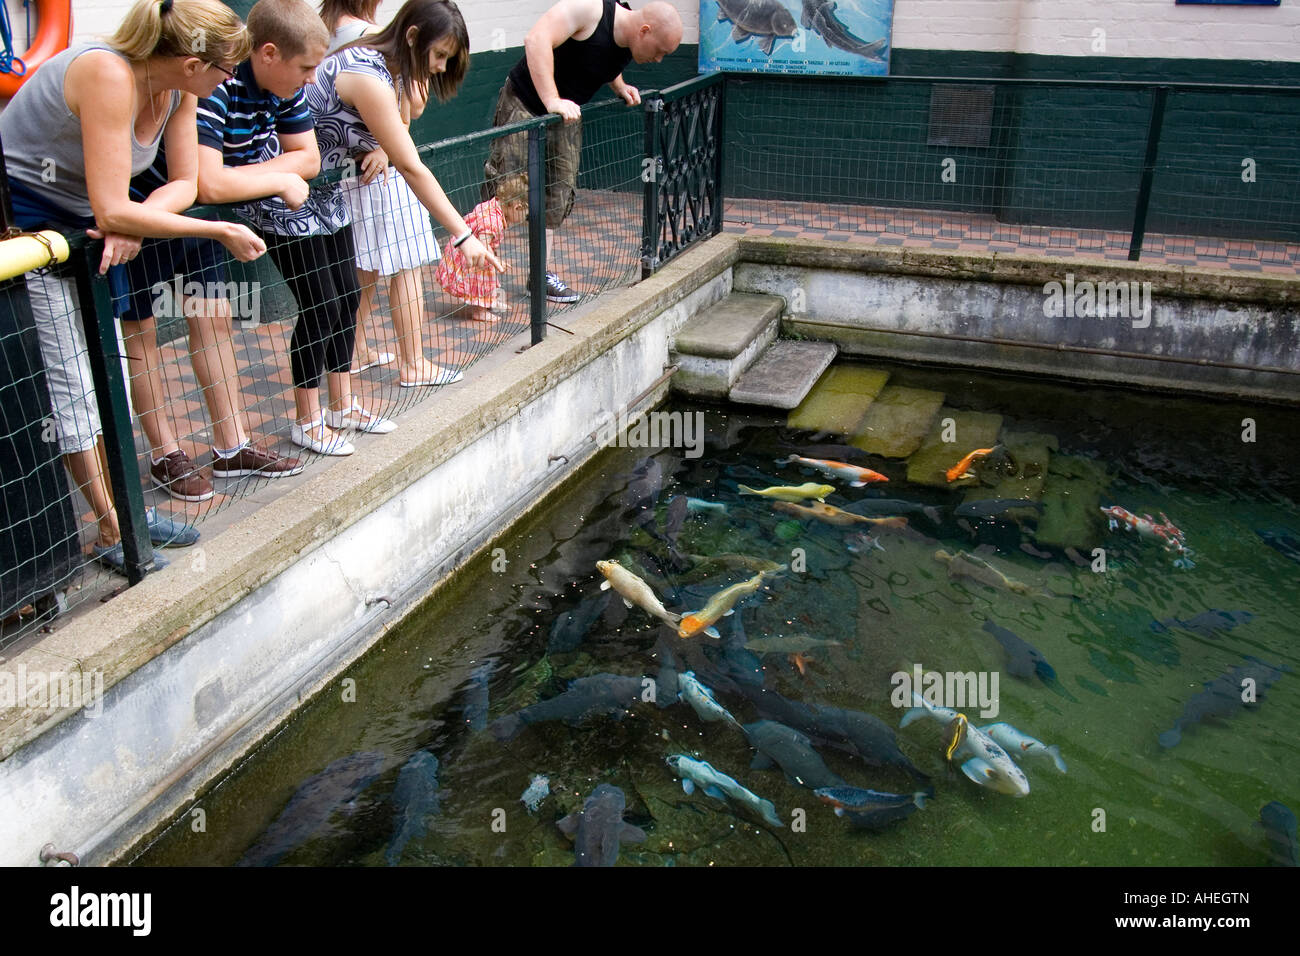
<point x="962" y="468"/>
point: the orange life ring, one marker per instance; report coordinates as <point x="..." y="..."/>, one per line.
<point x="53" y="34"/>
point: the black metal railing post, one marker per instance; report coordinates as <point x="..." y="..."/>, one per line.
<point x="652" y="167"/>
<point x="719" y="139"/>
<point x="1161" y="94"/>
<point x="537" y="231"/>
<point x="114" y="412"/>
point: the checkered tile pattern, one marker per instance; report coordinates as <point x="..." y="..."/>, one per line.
<point x="966" y="232"/>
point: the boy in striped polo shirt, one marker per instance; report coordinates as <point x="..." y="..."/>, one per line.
<point x="257" y="141"/>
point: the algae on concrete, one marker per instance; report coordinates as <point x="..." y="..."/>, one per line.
<point x="897" y="421"/>
<point x="929" y="463"/>
<point x="839" y="400"/>
<point x="1072" y="504"/>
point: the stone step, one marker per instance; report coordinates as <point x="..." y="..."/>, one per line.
<point x="784" y="374"/>
<point x="929" y="464"/>
<point x="839" y="400"/>
<point x="1072" y="504"/>
<point x="716" y="346"/>
<point x="1032" y="452"/>
<point x="898" y="421"/>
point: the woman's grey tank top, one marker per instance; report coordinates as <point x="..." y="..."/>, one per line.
<point x="346" y="33"/>
<point x="42" y="137"/>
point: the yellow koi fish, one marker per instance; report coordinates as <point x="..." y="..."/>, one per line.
<point x="791" y="492"/>
<point x="719" y="606"/>
<point x="634" y="591"/>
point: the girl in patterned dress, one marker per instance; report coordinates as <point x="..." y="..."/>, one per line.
<point x="479" y="287"/>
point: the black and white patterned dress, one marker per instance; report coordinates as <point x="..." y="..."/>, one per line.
<point x="390" y="226"/>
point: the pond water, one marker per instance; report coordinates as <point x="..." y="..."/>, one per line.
<point x="1120" y="653"/>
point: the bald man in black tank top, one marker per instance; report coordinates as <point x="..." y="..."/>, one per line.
<point x="570" y="53"/>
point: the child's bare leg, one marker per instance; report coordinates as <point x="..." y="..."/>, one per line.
<point x="212" y="354"/>
<point x="362" y="354"/>
<point x="89" y="474"/>
<point x="406" y="296"/>
<point x="144" y="363"/>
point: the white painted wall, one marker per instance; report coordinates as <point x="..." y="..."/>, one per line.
<point x="1145" y="28"/>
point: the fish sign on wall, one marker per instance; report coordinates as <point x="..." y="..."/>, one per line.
<point x="830" y="37"/>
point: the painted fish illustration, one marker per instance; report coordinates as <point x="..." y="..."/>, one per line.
<point x="720" y="605"/>
<point x="417" y="799"/>
<point x="819" y="15"/>
<point x="791" y="492"/>
<point x="1224" y="696"/>
<point x="855" y="475"/>
<point x="634" y="590"/>
<point x="598" y="829"/>
<point x="872" y="809"/>
<point x="768" y="19"/>
<point x="719" y="786"/>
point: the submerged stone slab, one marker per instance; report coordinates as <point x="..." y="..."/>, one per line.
<point x="898" y="421"/>
<point x="1072" y="504"/>
<point x="929" y="464"/>
<point x="1032" y="453"/>
<point x="713" y="349"/>
<point x="839" y="400"/>
<point x="724" y="330"/>
<point x="784" y="374"/>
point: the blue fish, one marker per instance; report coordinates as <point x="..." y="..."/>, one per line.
<point x="1209" y="624"/>
<point x="416" y="796"/>
<point x="872" y="809"/>
<point x="476" y="703"/>
<point x="1023" y="659"/>
<point x="598" y="829"/>
<point x="1223" y="696"/>
<point x="1282" y="540"/>
<point x="1279" y="827"/>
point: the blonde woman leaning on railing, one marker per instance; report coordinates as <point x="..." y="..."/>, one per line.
<point x="114" y="101"/>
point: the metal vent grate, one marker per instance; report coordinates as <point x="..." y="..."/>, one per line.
<point x="960" y="115"/>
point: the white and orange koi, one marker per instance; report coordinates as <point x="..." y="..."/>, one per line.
<point x="855" y="475"/>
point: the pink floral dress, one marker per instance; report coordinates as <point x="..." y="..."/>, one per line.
<point x="474" y="286"/>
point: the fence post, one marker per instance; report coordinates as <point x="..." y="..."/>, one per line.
<point x="100" y="326"/>
<point x="1148" y="172"/>
<point x="720" y="119"/>
<point x="537" y="230"/>
<point x="651" y="167"/>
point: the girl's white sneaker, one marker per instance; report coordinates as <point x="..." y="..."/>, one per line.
<point x="360" y="419"/>
<point x="311" y="438"/>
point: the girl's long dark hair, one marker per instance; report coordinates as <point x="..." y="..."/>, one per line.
<point x="433" y="20"/>
<point x="331" y="11"/>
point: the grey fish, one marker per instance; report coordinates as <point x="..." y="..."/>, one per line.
<point x="1282" y="540"/>
<point x="475" y="707"/>
<point x="598" y="829"/>
<point x="819" y="15"/>
<point x="309" y="810"/>
<point x="416" y="796"/>
<point x="1222" y="697"/>
<point x="793" y="644"/>
<point x="643" y="487"/>
<point x="587" y="697"/>
<point x="873" y="809"/>
<point x="793" y="752"/>
<point x="848" y="730"/>
<point x="1207" y="624"/>
<point x="570" y="628"/>
<point x="990" y="507"/>
<point x="1280" y="829"/>
<point x="871" y="507"/>
<point x="674" y="518"/>
<point x="768" y="19"/>
<point x="666" y="685"/>
<point x="1023" y="659"/>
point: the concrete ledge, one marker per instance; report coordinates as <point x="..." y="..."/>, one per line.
<point x="202" y="659"/>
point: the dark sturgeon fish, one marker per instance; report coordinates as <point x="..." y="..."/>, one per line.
<point x="768" y="19"/>
<point x="416" y="796"/>
<point x="848" y="730"/>
<point x="474" y="708"/>
<point x="598" y="829"/>
<point x="793" y="752"/>
<point x="309" y="810"/>
<point x="870" y="507"/>
<point x="571" y="627"/>
<point x="1208" y="624"/>
<point x="597" y="696"/>
<point x="1282" y="540"/>
<point x="1222" y="697"/>
<point x="819" y="16"/>
<point x="1279" y="828"/>
<point x="1023" y="659"/>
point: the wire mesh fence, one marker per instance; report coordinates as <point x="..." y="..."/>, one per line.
<point x="1028" y="165"/>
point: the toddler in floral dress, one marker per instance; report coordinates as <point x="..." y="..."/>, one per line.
<point x="479" y="288"/>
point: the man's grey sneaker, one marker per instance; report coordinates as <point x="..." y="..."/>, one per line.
<point x="557" y="291"/>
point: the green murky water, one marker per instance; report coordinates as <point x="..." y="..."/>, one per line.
<point x="1120" y="681"/>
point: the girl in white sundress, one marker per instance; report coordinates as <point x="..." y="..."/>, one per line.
<point x="390" y="225"/>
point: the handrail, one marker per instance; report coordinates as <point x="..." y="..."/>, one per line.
<point x="1031" y="81"/>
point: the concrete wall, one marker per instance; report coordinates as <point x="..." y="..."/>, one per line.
<point x="201" y="662"/>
